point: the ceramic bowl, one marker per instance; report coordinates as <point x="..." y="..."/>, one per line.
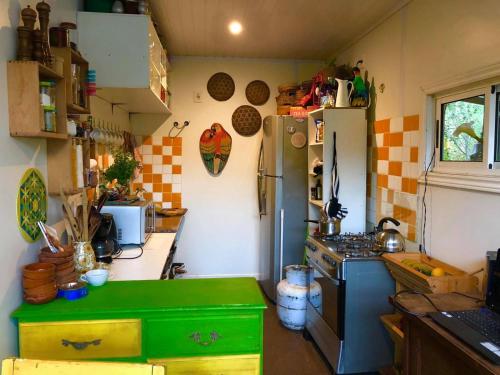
<point x="39" y="271"/>
<point x="64" y="272"/>
<point x="55" y="261"/>
<point x="68" y="251"/>
<point x="96" y="277"/>
<point x="67" y="278"/>
<point x="40" y="300"/>
<point x="64" y="266"/>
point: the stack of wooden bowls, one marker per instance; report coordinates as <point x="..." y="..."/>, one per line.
<point x="39" y="283"/>
<point x="64" y="263"/>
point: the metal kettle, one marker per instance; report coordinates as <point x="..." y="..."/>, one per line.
<point x="389" y="240"/>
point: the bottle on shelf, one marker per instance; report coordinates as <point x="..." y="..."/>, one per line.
<point x="319" y="190"/>
<point x="313" y="193"/>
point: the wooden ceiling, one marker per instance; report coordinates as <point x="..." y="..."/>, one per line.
<point x="284" y="29"/>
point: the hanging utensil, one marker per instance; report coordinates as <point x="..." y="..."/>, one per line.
<point x="333" y="208"/>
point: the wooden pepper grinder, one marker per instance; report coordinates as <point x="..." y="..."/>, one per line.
<point x="43" y="16"/>
<point x="38" y="46"/>
<point x="24" y="45"/>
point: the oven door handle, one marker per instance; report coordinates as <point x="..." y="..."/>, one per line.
<point x="318" y="268"/>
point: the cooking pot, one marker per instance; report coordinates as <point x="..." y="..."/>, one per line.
<point x="327" y="226"/>
<point x="389" y="240"/>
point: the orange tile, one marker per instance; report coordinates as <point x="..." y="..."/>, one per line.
<point x="382" y="180"/>
<point x="147" y="168"/>
<point x="382" y="126"/>
<point x="167" y="160"/>
<point x="136" y="186"/>
<point x="414" y="154"/>
<point x="177" y="141"/>
<point x="390" y="196"/>
<point x="383" y="153"/>
<point x="147" y="178"/>
<point x="147" y="140"/>
<point x="379" y="193"/>
<point x="412" y="188"/>
<point x="157" y="188"/>
<point x="177" y="150"/>
<point x="410" y="123"/>
<point x="157" y="178"/>
<point x="405" y="185"/>
<point x="167" y="188"/>
<point x="167" y="141"/>
<point x="395" y="168"/>
<point x="396" y="139"/>
<point x="157" y="150"/>
<point x="177" y="204"/>
<point x="167" y="197"/>
<point x="412" y="233"/>
<point x="176" y="169"/>
<point x="148" y="196"/>
<point x="397" y="214"/>
<point x="387" y="139"/>
<point x="412" y="217"/>
<point x="176" y="197"/>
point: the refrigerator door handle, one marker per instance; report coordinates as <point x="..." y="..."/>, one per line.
<point x="282" y="221"/>
<point x="273" y="176"/>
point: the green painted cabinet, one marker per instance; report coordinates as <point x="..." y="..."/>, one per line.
<point x="198" y="326"/>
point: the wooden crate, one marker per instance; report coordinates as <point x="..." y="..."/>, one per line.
<point x="454" y="280"/>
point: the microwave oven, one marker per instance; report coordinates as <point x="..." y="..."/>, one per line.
<point x="135" y="222"/>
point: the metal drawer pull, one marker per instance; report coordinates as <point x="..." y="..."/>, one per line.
<point x="196" y="336"/>
<point x="81" y="345"/>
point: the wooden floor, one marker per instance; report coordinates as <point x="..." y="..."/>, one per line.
<point x="286" y="352"/>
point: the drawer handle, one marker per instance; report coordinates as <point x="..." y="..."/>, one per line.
<point x="81" y="345"/>
<point x="196" y="337"/>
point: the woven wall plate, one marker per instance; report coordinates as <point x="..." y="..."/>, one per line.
<point x="257" y="92"/>
<point x="246" y="120"/>
<point x="31" y="204"/>
<point x="220" y="86"/>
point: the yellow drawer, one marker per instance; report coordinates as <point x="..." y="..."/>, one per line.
<point x="80" y="339"/>
<point x="220" y="365"/>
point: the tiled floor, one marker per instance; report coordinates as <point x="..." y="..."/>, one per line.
<point x="286" y="352"/>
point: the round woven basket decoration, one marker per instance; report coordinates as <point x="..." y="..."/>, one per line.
<point x="257" y="92"/>
<point x="246" y="120"/>
<point x="220" y="86"/>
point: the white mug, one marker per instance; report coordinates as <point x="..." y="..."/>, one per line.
<point x="96" y="277"/>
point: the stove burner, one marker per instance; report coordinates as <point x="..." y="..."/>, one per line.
<point x="352" y="245"/>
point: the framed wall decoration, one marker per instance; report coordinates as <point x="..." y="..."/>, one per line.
<point x="31" y="204"/>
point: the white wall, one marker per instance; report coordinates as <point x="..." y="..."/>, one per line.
<point x="220" y="236"/>
<point x="425" y="42"/>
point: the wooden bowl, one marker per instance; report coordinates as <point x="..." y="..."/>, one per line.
<point x="68" y="251"/>
<point x="41" y="291"/>
<point x="33" y="283"/>
<point x="42" y="258"/>
<point x="65" y="266"/>
<point x="65" y="271"/>
<point x="68" y="278"/>
<point x="40" y="300"/>
<point x="39" y="271"/>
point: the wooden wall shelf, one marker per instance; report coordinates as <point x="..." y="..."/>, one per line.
<point x="70" y="57"/>
<point x="25" y="115"/>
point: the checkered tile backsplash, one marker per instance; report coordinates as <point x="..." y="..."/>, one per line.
<point x="393" y="152"/>
<point x="162" y="170"/>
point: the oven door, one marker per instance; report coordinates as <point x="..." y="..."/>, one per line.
<point x="328" y="300"/>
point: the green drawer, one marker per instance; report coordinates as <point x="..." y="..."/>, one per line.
<point x="207" y="335"/>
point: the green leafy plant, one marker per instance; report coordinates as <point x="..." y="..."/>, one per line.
<point x="122" y="168"/>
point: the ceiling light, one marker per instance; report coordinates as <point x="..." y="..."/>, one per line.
<point x="235" y="27"/>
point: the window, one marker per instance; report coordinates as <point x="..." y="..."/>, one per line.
<point x="468" y="133"/>
<point x="462" y="128"/>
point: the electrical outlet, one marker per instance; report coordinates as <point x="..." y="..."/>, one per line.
<point x="197" y="97"/>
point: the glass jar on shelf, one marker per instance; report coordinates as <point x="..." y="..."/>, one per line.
<point x="47" y="93"/>
<point x="49" y="117"/>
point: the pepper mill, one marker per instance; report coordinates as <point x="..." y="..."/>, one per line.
<point x="29" y="17"/>
<point x="37" y="46"/>
<point x="24" y="45"/>
<point x="43" y="16"/>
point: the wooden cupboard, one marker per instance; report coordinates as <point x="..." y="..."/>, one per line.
<point x="190" y="326"/>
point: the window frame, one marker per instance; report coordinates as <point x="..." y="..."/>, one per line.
<point x="489" y="134"/>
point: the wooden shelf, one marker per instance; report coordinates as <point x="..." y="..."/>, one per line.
<point x="70" y="57"/>
<point x="75" y="109"/>
<point x="316" y="203"/>
<point x="25" y="113"/>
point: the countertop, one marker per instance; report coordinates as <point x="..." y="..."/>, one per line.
<point x="149" y="266"/>
<point x="149" y="296"/>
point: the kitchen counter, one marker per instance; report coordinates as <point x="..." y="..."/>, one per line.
<point x="149" y="265"/>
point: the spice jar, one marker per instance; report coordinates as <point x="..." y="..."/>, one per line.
<point x="47" y="94"/>
<point x="50" y="118"/>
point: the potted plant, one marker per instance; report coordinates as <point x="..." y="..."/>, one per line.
<point x="119" y="174"/>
